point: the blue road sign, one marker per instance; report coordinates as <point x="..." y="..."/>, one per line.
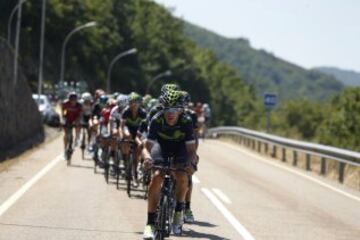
<point x="270" y="99"/>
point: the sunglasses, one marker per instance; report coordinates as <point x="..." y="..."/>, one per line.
<point x="173" y="110"/>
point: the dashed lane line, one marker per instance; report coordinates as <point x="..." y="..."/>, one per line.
<point x="245" y="234"/>
<point x="222" y="195"/>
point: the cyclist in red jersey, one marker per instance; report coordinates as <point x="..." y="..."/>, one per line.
<point x="71" y="111"/>
<point x="106" y="111"/>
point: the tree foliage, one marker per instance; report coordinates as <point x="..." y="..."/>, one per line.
<point x="341" y="126"/>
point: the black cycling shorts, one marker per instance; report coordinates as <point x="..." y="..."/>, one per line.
<point x="159" y="157"/>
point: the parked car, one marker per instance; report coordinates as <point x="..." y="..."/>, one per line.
<point x="49" y="115"/>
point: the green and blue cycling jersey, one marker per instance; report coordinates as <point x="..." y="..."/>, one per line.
<point x="187" y="111"/>
<point x="171" y="139"/>
<point x="131" y="122"/>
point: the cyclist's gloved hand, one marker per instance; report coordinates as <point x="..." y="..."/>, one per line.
<point x="192" y="168"/>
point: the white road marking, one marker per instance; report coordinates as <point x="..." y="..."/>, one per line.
<point x="222" y="195"/>
<point x="232" y="220"/>
<point x="289" y="169"/>
<point x="195" y="179"/>
<point x="19" y="193"/>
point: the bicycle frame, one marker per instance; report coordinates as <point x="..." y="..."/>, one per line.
<point x="129" y="165"/>
<point x="167" y="202"/>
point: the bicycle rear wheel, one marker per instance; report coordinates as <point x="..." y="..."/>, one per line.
<point x="69" y="149"/>
<point x="83" y="143"/>
<point x="118" y="155"/>
<point x="105" y="160"/>
<point x="129" y="170"/>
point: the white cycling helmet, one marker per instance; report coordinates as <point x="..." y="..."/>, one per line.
<point x="86" y="96"/>
<point x="122" y="100"/>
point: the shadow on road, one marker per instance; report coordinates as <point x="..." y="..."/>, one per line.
<point x="80" y="166"/>
<point x="63" y="228"/>
<point x="203" y="224"/>
<point x="195" y="234"/>
<point x="138" y="196"/>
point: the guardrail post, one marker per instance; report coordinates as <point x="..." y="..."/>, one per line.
<point x="253" y="144"/>
<point x="283" y="155"/>
<point x="295" y="158"/>
<point x="259" y="146"/>
<point x="323" y="166"/>
<point x="341" y="171"/>
<point x="273" y="154"/>
<point x="266" y="148"/>
<point x="308" y="162"/>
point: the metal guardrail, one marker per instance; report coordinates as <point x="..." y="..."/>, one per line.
<point x="256" y="139"/>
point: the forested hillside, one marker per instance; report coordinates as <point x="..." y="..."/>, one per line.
<point x="347" y="77"/>
<point x="264" y="70"/>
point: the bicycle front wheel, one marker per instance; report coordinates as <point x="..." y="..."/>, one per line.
<point x="129" y="168"/>
<point x="162" y="230"/>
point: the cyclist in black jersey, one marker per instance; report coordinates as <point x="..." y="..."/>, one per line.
<point x="170" y="135"/>
<point x="131" y="120"/>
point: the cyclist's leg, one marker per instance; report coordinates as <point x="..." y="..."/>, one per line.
<point x="67" y="132"/>
<point x="115" y="135"/>
<point x="189" y="193"/>
<point x="188" y="214"/>
<point x="77" y="132"/>
<point x="182" y="184"/>
<point x="189" y="217"/>
<point x="114" y="143"/>
<point x="93" y="131"/>
<point x="153" y="200"/>
<point x="155" y="185"/>
<point x="137" y="155"/>
<point x="65" y="136"/>
<point x="126" y="146"/>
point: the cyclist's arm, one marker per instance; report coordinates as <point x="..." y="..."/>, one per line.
<point x="190" y="141"/>
<point x="113" y="119"/>
<point x="122" y="126"/>
<point x="150" y="141"/>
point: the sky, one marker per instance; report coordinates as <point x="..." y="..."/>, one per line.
<point x="309" y="33"/>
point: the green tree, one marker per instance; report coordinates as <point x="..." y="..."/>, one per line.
<point x="341" y="127"/>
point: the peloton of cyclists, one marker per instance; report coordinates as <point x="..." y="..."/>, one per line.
<point x="168" y="128"/>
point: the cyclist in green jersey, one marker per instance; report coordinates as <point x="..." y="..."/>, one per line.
<point x="170" y="135"/>
<point x="132" y="118"/>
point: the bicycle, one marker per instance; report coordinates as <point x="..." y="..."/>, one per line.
<point x="129" y="165"/>
<point x="85" y="131"/>
<point x="102" y="151"/>
<point x="166" y="207"/>
<point x="69" y="147"/>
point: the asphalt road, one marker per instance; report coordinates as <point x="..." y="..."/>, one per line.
<point x="238" y="195"/>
